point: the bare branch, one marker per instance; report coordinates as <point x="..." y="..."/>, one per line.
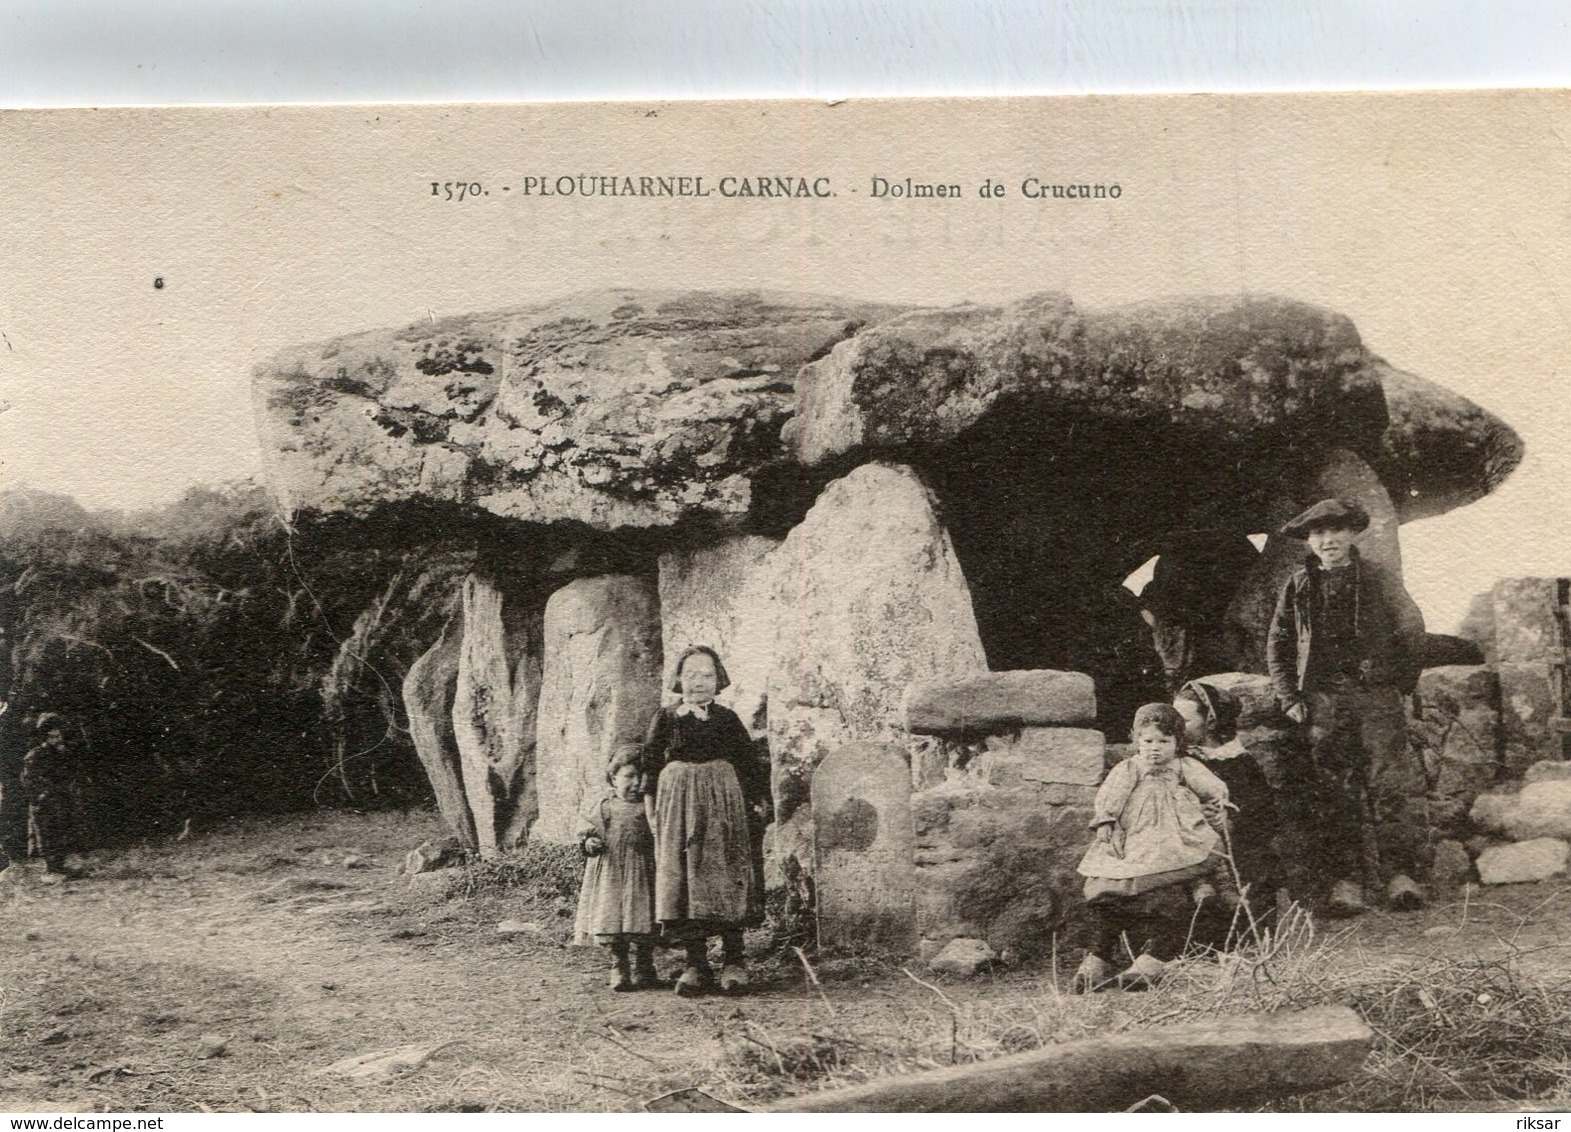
<point x="159" y="651"/>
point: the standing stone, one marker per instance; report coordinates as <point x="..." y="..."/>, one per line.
<point x="494" y="705"/>
<point x="870" y="598"/>
<point x="1525" y="628"/>
<point x="720" y="596"/>
<point x="599" y="688"/>
<point x="428" y="701"/>
<point x="1528" y="707"/>
<point x="1345" y="475"/>
<point x="863" y="845"/>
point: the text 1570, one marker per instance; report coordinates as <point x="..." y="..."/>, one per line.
<point x="458" y="190"/>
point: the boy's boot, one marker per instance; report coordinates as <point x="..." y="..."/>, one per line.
<point x="733" y="973"/>
<point x="621" y="978"/>
<point x="644" y="973"/>
<point x="1346" y="899"/>
<point x="696" y="977"/>
<point x="1403" y="894"/>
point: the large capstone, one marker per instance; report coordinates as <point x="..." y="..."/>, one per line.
<point x="618" y="408"/>
<point x="1065" y="446"/>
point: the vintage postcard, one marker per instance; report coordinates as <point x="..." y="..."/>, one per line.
<point x="1028" y="605"/>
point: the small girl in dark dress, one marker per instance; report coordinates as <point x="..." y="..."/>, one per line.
<point x="1211" y="723"/>
<point x="616" y="905"/>
<point x="702" y="781"/>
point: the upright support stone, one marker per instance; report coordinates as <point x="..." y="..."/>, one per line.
<point x="868" y="597"/>
<point x="428" y="700"/>
<point x="719" y="596"/>
<point x="487" y="723"/>
<point x="1345" y="475"/>
<point x="864" y="848"/>
<point x="600" y="686"/>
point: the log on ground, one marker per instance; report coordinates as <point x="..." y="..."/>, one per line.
<point x="1199" y="1066"/>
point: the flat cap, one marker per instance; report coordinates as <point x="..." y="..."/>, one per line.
<point x="1328" y="513"/>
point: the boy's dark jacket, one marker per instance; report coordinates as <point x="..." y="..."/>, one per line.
<point x="1389" y="625"/>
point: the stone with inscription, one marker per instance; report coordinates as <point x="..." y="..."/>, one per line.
<point x="863" y="847"/>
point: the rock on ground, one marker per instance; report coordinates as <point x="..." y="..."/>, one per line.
<point x="1523" y="862"/>
<point x="963" y="957"/>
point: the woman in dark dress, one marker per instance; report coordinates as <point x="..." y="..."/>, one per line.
<point x="702" y="781"/>
<point x="1211" y="721"/>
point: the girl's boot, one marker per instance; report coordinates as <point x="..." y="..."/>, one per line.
<point x="733" y="972"/>
<point x="621" y="978"/>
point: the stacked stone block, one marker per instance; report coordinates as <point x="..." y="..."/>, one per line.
<point x="998" y="839"/>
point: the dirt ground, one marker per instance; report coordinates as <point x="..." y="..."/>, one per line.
<point x="230" y="970"/>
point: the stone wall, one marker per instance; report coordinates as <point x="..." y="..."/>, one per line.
<point x="997" y="841"/>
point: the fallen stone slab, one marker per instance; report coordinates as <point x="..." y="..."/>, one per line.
<point x="519" y="927"/>
<point x="1524" y="862"/>
<point x="394" y="1062"/>
<point x="1198" y="1066"/>
<point x="993" y="702"/>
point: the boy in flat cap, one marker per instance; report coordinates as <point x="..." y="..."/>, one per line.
<point x="1343" y="650"/>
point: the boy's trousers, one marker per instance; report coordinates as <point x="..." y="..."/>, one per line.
<point x="1363" y="782"/>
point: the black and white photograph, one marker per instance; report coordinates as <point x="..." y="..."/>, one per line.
<point x="949" y="605"/>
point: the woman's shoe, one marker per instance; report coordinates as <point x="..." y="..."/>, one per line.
<point x="733" y="978"/>
<point x="1143" y="974"/>
<point x="693" y="982"/>
<point x="1093" y="974"/>
<point x="620" y="979"/>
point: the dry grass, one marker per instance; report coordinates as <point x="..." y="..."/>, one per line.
<point x="1450" y="1031"/>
